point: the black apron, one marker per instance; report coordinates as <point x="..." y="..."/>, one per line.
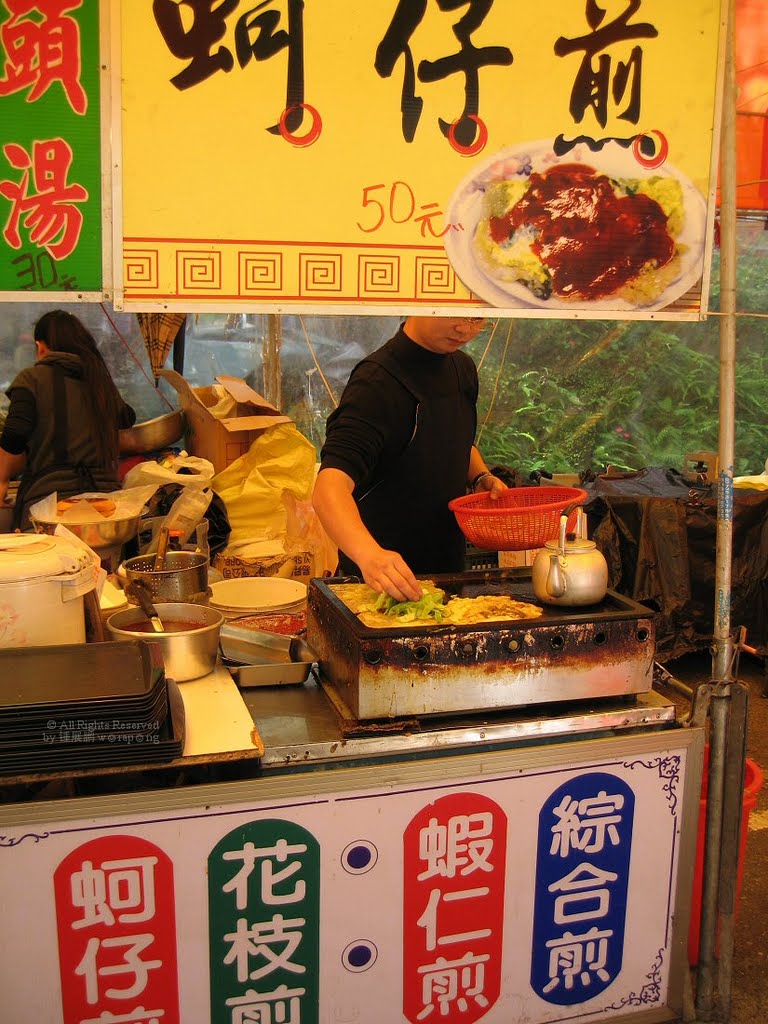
<point x="61" y="475"/>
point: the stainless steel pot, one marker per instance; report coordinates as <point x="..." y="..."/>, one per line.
<point x="184" y="578"/>
<point x="188" y="653"/>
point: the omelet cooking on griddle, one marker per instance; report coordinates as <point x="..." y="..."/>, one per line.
<point x="379" y="611"/>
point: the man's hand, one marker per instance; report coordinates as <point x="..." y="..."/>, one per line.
<point x="386" y="572"/>
<point x="493" y="484"/>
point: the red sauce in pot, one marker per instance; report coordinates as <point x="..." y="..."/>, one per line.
<point x="592" y="241"/>
<point x="169" y="626"/>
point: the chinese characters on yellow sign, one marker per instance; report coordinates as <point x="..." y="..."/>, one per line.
<point x="410" y="155"/>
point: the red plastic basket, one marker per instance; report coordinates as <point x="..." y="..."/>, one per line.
<point x="522" y="518"/>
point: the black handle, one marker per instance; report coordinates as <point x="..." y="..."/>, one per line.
<point x="140" y="590"/>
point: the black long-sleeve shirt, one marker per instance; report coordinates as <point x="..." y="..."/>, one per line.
<point x="403" y="432"/>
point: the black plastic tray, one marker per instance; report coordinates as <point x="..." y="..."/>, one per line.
<point x="64" y="675"/>
<point x="165" y="744"/>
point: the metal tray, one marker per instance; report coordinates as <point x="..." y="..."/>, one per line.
<point x="288" y="673"/>
<point x="259" y="658"/>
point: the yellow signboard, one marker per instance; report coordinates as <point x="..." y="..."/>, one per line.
<point x="418" y="156"/>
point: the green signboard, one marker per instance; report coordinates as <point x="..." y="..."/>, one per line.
<point x="50" y="147"/>
<point x="264" y="920"/>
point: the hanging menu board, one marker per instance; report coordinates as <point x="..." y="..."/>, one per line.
<point x="50" y="151"/>
<point x="418" y="156"/>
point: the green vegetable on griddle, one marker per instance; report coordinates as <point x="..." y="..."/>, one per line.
<point x="431" y="605"/>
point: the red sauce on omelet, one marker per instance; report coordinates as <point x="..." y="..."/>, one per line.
<point x="592" y="241"/>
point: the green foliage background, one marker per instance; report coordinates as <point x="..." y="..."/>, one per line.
<point x="571" y="395"/>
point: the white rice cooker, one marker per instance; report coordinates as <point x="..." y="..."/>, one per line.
<point x="42" y="584"/>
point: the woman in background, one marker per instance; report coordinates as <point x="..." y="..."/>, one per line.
<point x="61" y="431"/>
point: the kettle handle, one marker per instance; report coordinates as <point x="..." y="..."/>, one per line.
<point x="565" y="515"/>
<point x="556" y="581"/>
<point x="570" y="508"/>
<point x="554" y="573"/>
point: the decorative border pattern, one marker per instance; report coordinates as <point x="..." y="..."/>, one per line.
<point x="435" y="278"/>
<point x="259" y="272"/>
<point x="669" y="771"/>
<point x="211" y="270"/>
<point x="198" y="271"/>
<point x="9" y="841"/>
<point x="378" y="274"/>
<point x="320" y="274"/>
<point x="649" y="993"/>
<point x="141" y="269"/>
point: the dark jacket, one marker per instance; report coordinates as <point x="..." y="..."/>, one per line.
<point x="62" y="454"/>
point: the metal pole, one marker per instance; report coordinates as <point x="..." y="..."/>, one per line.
<point x="271" y="362"/>
<point x="723" y="643"/>
<point x="730" y="841"/>
<point x="705" y="982"/>
<point x="728" y="706"/>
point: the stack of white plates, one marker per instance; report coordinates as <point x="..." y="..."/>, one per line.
<point x="254" y="595"/>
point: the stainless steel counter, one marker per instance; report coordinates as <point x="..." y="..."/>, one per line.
<point x="300" y="724"/>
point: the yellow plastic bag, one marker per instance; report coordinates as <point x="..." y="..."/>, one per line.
<point x="252" y="487"/>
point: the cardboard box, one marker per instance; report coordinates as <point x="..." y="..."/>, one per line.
<point x="222" y="441"/>
<point x="510" y="559"/>
<point x="298" y="566"/>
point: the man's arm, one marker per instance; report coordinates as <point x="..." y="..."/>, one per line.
<point x="476" y="471"/>
<point x="385" y="571"/>
<point x="10" y="466"/>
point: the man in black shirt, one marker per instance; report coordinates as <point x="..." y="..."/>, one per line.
<point x="398" y="448"/>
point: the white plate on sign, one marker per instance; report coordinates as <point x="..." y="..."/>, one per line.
<point x="516" y="164"/>
<point x="257" y="594"/>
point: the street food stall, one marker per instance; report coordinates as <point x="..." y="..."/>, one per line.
<point x="484" y="820"/>
<point x="494" y="820"/>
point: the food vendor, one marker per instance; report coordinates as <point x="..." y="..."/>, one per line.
<point x="398" y="448"/>
<point x="61" y="431"/>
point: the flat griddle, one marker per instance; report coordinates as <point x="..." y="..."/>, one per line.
<point x="567" y="654"/>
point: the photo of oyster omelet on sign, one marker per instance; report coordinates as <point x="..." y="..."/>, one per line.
<point x="586" y="230"/>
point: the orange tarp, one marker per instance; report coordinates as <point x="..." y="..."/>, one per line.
<point x="751" y="54"/>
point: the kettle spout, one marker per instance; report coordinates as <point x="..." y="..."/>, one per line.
<point x="556" y="579"/>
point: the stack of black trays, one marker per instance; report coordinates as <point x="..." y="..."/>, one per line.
<point x="80" y="706"/>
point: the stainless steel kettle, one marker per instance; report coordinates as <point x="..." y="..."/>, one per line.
<point x="569" y="570"/>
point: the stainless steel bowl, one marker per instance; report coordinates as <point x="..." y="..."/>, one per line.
<point x="152" y="435"/>
<point x="189" y="653"/>
<point x="105" y="533"/>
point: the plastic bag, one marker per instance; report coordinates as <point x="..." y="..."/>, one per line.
<point x="758" y="482"/>
<point x="186" y="470"/>
<point x="128" y="503"/>
<point x="281" y="460"/>
<point x="187" y="511"/>
<point x="304" y="532"/>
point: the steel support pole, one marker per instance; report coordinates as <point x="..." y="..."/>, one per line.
<point x="723" y="641"/>
<point x="706" y="972"/>
<point x="728" y="699"/>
